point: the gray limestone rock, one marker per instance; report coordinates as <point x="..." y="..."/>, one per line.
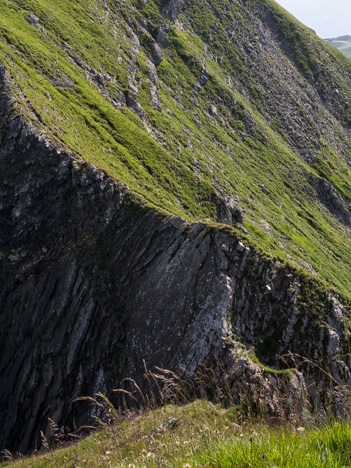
<point x="203" y="77"/>
<point x="156" y="54"/>
<point x="172" y="9"/>
<point x="95" y="285"/>
<point x="32" y="19"/>
<point x="329" y="196"/>
<point x="92" y="284"/>
<point x="154" y="87"/>
<point x="133" y="104"/>
<point x="230" y="212"/>
<point x="162" y="38"/>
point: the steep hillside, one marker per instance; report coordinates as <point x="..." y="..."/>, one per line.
<point x="343" y="43"/>
<point x="174" y="186"/>
<point x="232" y="93"/>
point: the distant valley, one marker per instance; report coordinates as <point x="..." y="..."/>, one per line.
<point x="343" y="43"/>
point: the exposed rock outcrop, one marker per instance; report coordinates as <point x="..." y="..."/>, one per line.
<point x="32" y="19"/>
<point x="230" y="212"/>
<point x="156" y="55"/>
<point x="172" y="9"/>
<point x="92" y="284"/>
<point x="333" y="201"/>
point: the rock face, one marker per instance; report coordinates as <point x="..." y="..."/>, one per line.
<point x="92" y="284"/>
<point x="335" y="203"/>
<point x="175" y="100"/>
<point x="172" y="9"/>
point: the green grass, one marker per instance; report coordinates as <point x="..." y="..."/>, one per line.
<point x="206" y="436"/>
<point x="242" y="150"/>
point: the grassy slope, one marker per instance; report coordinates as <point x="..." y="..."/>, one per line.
<point x="206" y="436"/>
<point x="79" y="118"/>
<point x="83" y="121"/>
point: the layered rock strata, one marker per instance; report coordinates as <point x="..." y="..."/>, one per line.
<point x="92" y="284"/>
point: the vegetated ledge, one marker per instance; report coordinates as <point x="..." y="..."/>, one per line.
<point x="201" y="434"/>
<point x="92" y="283"/>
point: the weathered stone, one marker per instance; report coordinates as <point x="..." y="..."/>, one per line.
<point x="143" y="4"/>
<point x="133" y="104"/>
<point x="116" y="284"/>
<point x="156" y="55"/>
<point x="32" y="19"/>
<point x="154" y="87"/>
<point x="170" y="423"/>
<point x="92" y="284"/>
<point x="173" y="9"/>
<point x="329" y="196"/>
<point x="240" y="247"/>
<point x="203" y="77"/>
<point x="229" y="210"/>
<point x="162" y="38"/>
<point x="213" y="110"/>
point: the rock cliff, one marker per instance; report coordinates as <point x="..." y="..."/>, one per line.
<point x="93" y="283"/>
<point x="96" y="277"/>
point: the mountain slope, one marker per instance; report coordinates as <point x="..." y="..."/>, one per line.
<point x="79" y="72"/>
<point x="161" y="163"/>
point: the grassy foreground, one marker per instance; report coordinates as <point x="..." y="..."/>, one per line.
<point x="203" y="436"/>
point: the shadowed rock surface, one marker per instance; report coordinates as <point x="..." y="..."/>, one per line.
<point x="94" y="280"/>
<point x="92" y="284"/>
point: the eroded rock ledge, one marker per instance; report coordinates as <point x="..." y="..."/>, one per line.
<point x="92" y="284"/>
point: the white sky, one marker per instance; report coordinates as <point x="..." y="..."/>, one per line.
<point x="329" y="18"/>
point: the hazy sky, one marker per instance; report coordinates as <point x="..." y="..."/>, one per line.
<point x="329" y="18"/>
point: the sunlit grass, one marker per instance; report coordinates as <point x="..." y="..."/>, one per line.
<point x="196" y="152"/>
<point x="205" y="436"/>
